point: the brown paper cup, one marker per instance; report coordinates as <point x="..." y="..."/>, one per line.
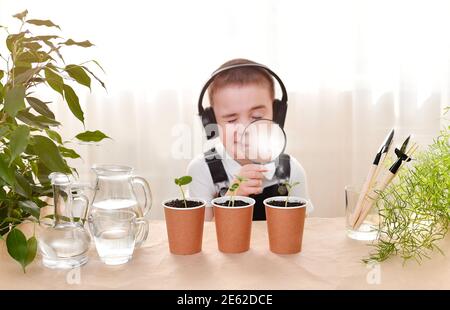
<point x="233" y="225"/>
<point x="285" y="226"/>
<point x="185" y="228"/>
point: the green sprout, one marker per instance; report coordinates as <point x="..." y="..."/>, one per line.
<point x="289" y="187"/>
<point x="233" y="189"/>
<point x="184" y="180"/>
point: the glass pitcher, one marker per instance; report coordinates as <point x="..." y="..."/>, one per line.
<point x="114" y="190"/>
<point x="65" y="243"/>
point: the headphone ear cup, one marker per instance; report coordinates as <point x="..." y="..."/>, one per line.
<point x="210" y="124"/>
<point x="279" y="112"/>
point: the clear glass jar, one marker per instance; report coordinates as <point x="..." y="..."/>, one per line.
<point x="368" y="230"/>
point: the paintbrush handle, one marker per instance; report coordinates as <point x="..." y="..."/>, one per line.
<point x="379" y="167"/>
<point x="365" y="189"/>
<point x="372" y="198"/>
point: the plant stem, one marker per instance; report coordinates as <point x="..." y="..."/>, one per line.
<point x="230" y="200"/>
<point x="287" y="197"/>
<point x="184" y="197"/>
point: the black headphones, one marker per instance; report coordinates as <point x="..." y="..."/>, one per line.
<point x="207" y="114"/>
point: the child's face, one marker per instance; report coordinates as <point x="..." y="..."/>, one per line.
<point x="237" y="106"/>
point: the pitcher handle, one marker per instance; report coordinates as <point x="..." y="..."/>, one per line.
<point x="141" y="232"/>
<point x="147" y="191"/>
<point x="85" y="201"/>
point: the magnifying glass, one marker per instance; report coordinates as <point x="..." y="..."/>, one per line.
<point x="263" y="141"/>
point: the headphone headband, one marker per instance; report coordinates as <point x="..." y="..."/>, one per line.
<point x="284" y="97"/>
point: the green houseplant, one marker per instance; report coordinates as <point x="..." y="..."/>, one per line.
<point x="233" y="190"/>
<point x="289" y="187"/>
<point x="415" y="210"/>
<point x="184" y="221"/>
<point x="182" y="181"/>
<point x="30" y="145"/>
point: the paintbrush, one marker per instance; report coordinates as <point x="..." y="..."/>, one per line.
<point x="373" y="172"/>
<point x="402" y="156"/>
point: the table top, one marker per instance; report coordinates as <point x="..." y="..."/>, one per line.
<point x="329" y="260"/>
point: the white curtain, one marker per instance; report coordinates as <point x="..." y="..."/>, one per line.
<point x="353" y="70"/>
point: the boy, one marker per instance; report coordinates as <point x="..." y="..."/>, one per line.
<point x="242" y="91"/>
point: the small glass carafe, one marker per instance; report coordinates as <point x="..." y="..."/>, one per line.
<point x="64" y="244"/>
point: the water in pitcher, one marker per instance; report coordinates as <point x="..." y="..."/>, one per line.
<point x="115" y="204"/>
<point x="115" y="246"/>
<point x="114" y="230"/>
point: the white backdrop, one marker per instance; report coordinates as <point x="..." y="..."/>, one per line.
<point x="353" y="70"/>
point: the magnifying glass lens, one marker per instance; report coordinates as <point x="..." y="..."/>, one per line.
<point x="263" y="141"/>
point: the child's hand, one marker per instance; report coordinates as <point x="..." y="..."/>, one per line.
<point x="253" y="175"/>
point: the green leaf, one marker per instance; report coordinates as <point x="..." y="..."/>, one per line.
<point x="43" y="38"/>
<point x="49" y="154"/>
<point x="295" y="184"/>
<point x="184" y="180"/>
<point x="97" y="63"/>
<point x="85" y="43"/>
<point x="22" y="186"/>
<point x="32" y="45"/>
<point x="40" y="107"/>
<point x="240" y="179"/>
<point x="20" y="68"/>
<point x="54" y="80"/>
<point x="22" y="250"/>
<point x="32" y="57"/>
<point x="38" y="121"/>
<point x="43" y="191"/>
<point x="6" y="172"/>
<point x="42" y="173"/>
<point x="45" y="121"/>
<point x="14" y="100"/>
<point x="95" y="77"/>
<point x="54" y="135"/>
<point x="234" y="187"/>
<point x="16" y="243"/>
<point x="79" y="75"/>
<point x="92" y="136"/>
<point x="53" y="48"/>
<point x="66" y="152"/>
<point x="31" y="250"/>
<point x="29" y="119"/>
<point x="26" y="75"/>
<point x="18" y="141"/>
<point x="73" y="102"/>
<point x="21" y="15"/>
<point x="13" y="39"/>
<point x="4" y="130"/>
<point x="41" y="22"/>
<point x="30" y="207"/>
<point x="2" y="74"/>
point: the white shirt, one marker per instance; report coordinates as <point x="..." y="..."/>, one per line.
<point x="202" y="185"/>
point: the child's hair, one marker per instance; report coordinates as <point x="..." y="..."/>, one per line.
<point x="241" y="76"/>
